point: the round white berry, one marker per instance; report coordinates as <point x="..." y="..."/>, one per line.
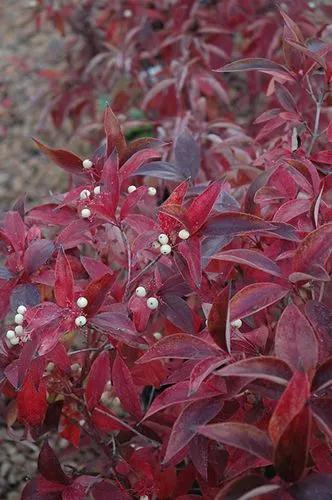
<point x="87" y="164"/>
<point x="19" y="318"/>
<point x="131" y="189"/>
<point x="108" y="385"/>
<point x="116" y="401"/>
<point x="21" y="309"/>
<point x="105" y="397"/>
<point x="75" y="367"/>
<point x="82" y="302"/>
<point x="237" y="323"/>
<point x="140" y="291"/>
<point x="184" y="234"/>
<point x="165" y="249"/>
<point x="163" y="239"/>
<point x="85" y="213"/>
<point x="157" y="335"/>
<point x="19" y="330"/>
<point x="155" y="245"/>
<point x="80" y="321"/>
<point x="127" y="13"/>
<point x="84" y="195"/>
<point x="10" y="334"/>
<point x="152" y="191"/>
<point x="14" y="340"/>
<point x="97" y="190"/>
<point x="152" y="303"/>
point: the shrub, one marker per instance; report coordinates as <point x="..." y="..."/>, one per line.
<point x="181" y="328"/>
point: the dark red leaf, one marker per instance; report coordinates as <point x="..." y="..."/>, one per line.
<point x="200" y="208"/>
<point x="258" y="64"/>
<point x="64" y="159"/>
<point x="114" y="136"/>
<point x="64" y="281"/>
<point x="37" y="254"/>
<point x="99" y="375"/>
<point x="218" y="320"/>
<point x="254" y="298"/>
<point x="125" y="388"/>
<point x="250" y="258"/>
<point x="49" y="466"/>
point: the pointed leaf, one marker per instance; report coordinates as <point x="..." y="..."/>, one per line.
<point x="96" y="292"/>
<point x="295" y="340"/>
<point x="263" y="367"/>
<point x="186" y="425"/>
<point x="201" y="206"/>
<point x="136" y="161"/>
<point x="114" y="136"/>
<point x="180" y="346"/>
<point x="202" y="370"/>
<point x="258" y="64"/>
<point x="99" y="375"/>
<point x="125" y="388"/>
<point x="191" y="252"/>
<point x="314" y="248"/>
<point x="49" y="466"/>
<point x="234" y="224"/>
<point x="64" y="281"/>
<point x="250" y="258"/>
<point x="218" y="320"/>
<point x="254" y="298"/>
<point x="66" y="160"/>
<point x="37" y="254"/>
<point x="243" y="436"/>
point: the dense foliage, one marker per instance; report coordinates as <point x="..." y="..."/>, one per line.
<point x="172" y="310"/>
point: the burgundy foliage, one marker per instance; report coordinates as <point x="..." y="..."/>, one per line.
<point x="177" y="298"/>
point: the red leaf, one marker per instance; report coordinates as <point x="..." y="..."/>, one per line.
<point x="96" y="292"/>
<point x="295" y="341"/>
<point x="234" y="224"/>
<point x="218" y="320"/>
<point x="31" y="403"/>
<point x="202" y="370"/>
<point x="323" y="157"/>
<point x="125" y="388"/>
<point x="99" y="375"/>
<point x="14" y="230"/>
<point x="313" y="250"/>
<point x="314" y="486"/>
<point x="246" y="487"/>
<point x="186" y="425"/>
<point x="323" y="376"/>
<point x="110" y="177"/>
<point x="200" y="208"/>
<point x="291" y="453"/>
<point x="114" y="136"/>
<point x="263" y="367"/>
<point x="180" y="346"/>
<point x="258" y="64"/>
<point x="243" y="436"/>
<point x="178" y="394"/>
<point x="136" y="161"/>
<point x="251" y="258"/>
<point x="64" y="159"/>
<point x="191" y="252"/>
<point x="37" y="254"/>
<point x="64" y="281"/>
<point x="291" y="403"/>
<point x="49" y="466"/>
<point x="254" y="298"/>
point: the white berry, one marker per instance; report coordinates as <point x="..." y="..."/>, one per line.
<point x="97" y="190"/>
<point x="14" y="340"/>
<point x="165" y="249"/>
<point x="85" y="213"/>
<point x="82" y="302"/>
<point x="155" y="245"/>
<point x="50" y="367"/>
<point x="127" y="13"/>
<point x="152" y="191"/>
<point x="237" y="323"/>
<point x="19" y="319"/>
<point x="163" y="239"/>
<point x="80" y="321"/>
<point x="152" y="303"/>
<point x="131" y="189"/>
<point x="87" y="164"/>
<point x="157" y="335"/>
<point x="105" y="397"/>
<point x="108" y="385"/>
<point x="19" y="330"/>
<point x="140" y="291"/>
<point x="75" y="367"/>
<point x="84" y="195"/>
<point x="10" y="334"/>
<point x="21" y="309"/>
<point x="184" y="234"/>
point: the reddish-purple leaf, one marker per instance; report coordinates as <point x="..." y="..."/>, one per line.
<point x="291" y="403"/>
<point x="323" y="376"/>
<point x="178" y="312"/>
<point x="99" y="375"/>
<point x="235" y="224"/>
<point x="254" y="298"/>
<point x="246" y="487"/>
<point x="114" y="136"/>
<point x="200" y="208"/>
<point x="240" y="435"/>
<point x="198" y="452"/>
<point x="180" y="346"/>
<point x="290" y="455"/>
<point x="187" y="155"/>
<point x="66" y="160"/>
<point x="64" y="281"/>
<point x="191" y="252"/>
<point x="136" y="161"/>
<point x="110" y="177"/>
<point x="295" y="340"/>
<point x="285" y="98"/>
<point x="125" y="388"/>
<point x="49" y="466"/>
<point x="178" y="394"/>
<point x="323" y="157"/>
<point x="218" y="320"/>
<point x="322" y="411"/>
<point x="75" y="233"/>
<point x="313" y="250"/>
<point x="315" y="485"/>
<point x="186" y="425"/>
<point x="263" y="367"/>
<point x="258" y="64"/>
<point x="250" y="258"/>
<point x="37" y="254"/>
<point x="14" y="230"/>
<point x="291" y="209"/>
<point x="202" y="370"/>
<point x="96" y="292"/>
